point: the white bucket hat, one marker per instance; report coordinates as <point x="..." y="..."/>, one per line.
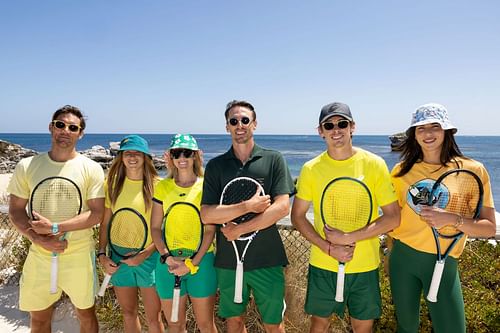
<point x="432" y="113"/>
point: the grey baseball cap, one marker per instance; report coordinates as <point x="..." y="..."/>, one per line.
<point x="335" y="109"/>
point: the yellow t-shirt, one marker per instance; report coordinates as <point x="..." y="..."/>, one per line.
<point x="131" y="197"/>
<point x="167" y="192"/>
<point x="363" y="165"/>
<point x="413" y="231"/>
<point x="87" y="174"/>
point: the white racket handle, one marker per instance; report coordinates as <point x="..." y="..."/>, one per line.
<point x="339" y="294"/>
<point x="238" y="283"/>
<point x="174" y="316"/>
<point x="435" y="281"/>
<point x="54" y="261"/>
<point x="104" y="285"/>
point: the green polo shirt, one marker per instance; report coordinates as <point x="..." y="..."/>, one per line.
<point x="269" y="168"/>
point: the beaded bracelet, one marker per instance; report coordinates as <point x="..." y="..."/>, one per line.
<point x="460" y="221"/>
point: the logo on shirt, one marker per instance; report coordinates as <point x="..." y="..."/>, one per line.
<point x="420" y="194"/>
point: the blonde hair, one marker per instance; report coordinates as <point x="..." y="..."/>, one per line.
<point x="116" y="178"/>
<point x="172" y="170"/>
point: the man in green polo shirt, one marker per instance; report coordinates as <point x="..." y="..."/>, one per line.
<point x="265" y="257"/>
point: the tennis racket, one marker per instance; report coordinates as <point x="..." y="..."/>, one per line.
<point x="127" y="236"/>
<point x="346" y="205"/>
<point x="182" y="233"/>
<point x="58" y="199"/>
<point x="238" y="190"/>
<point x="457" y="191"/>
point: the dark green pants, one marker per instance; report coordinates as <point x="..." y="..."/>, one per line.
<point x="410" y="273"/>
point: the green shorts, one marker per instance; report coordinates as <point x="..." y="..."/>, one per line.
<point x="361" y="294"/>
<point x="135" y="276"/>
<point x="200" y="285"/>
<point x="267" y="285"/>
<point x="76" y="277"/>
<point x="410" y="274"/>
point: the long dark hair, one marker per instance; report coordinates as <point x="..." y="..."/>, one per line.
<point x="412" y="152"/>
<point x="117" y="174"/>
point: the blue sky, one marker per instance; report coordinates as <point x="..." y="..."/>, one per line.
<point x="171" y="66"/>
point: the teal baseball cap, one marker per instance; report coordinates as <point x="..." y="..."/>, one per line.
<point x="186" y="141"/>
<point x="134" y="142"/>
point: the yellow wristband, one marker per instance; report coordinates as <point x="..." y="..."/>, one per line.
<point x="192" y="268"/>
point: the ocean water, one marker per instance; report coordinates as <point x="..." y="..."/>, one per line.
<point x="297" y="149"/>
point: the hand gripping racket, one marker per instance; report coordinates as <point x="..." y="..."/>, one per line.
<point x="58" y="199"/>
<point x="127" y="236"/>
<point x="346" y="204"/>
<point x="457" y="191"/>
<point x="182" y="232"/>
<point x="238" y="190"/>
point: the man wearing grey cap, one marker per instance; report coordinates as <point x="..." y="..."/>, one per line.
<point x="358" y="249"/>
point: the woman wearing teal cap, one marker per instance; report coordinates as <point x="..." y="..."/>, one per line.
<point x="184" y="183"/>
<point x="130" y="183"/>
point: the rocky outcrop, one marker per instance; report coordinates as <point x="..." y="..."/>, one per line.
<point x="11" y="153"/>
<point x="397" y="140"/>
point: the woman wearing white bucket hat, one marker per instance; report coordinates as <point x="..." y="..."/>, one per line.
<point x="429" y="151"/>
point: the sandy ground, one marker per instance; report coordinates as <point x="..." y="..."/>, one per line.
<point x="14" y="320"/>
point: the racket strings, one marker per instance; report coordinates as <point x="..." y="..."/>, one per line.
<point x="462" y="196"/>
<point x="183" y="230"/>
<point x="238" y="191"/>
<point x="127" y="233"/>
<point x="56" y="199"/>
<point x="346" y="206"/>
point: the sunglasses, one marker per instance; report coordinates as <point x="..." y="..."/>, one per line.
<point x="175" y="154"/>
<point x="340" y="124"/>
<point x="244" y="121"/>
<point x="62" y="125"/>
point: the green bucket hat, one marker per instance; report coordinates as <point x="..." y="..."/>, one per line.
<point x="183" y="141"/>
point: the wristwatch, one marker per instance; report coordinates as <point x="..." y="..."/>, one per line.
<point x="55" y="228"/>
<point x="163" y="257"/>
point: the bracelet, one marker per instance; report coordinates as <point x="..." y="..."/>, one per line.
<point x="459" y="223"/>
<point x="100" y="254"/>
<point x="55" y="228"/>
<point x="189" y="264"/>
<point x="163" y="257"/>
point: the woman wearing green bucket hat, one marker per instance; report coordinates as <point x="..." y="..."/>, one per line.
<point x="130" y="184"/>
<point x="184" y="184"/>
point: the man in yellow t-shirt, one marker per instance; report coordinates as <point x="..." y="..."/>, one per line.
<point x="76" y="269"/>
<point x="358" y="249"/>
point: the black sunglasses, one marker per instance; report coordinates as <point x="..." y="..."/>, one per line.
<point x="340" y="124"/>
<point x="62" y="125"/>
<point x="244" y="121"/>
<point x="175" y="154"/>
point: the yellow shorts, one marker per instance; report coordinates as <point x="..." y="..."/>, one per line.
<point x="77" y="278"/>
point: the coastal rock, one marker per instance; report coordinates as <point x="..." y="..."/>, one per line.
<point x="397" y="140"/>
<point x="10" y="154"/>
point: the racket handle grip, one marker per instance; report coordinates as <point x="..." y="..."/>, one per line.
<point x="339" y="294"/>
<point x="174" y="316"/>
<point x="54" y="262"/>
<point x="238" y="283"/>
<point x="104" y="285"/>
<point x="435" y="281"/>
